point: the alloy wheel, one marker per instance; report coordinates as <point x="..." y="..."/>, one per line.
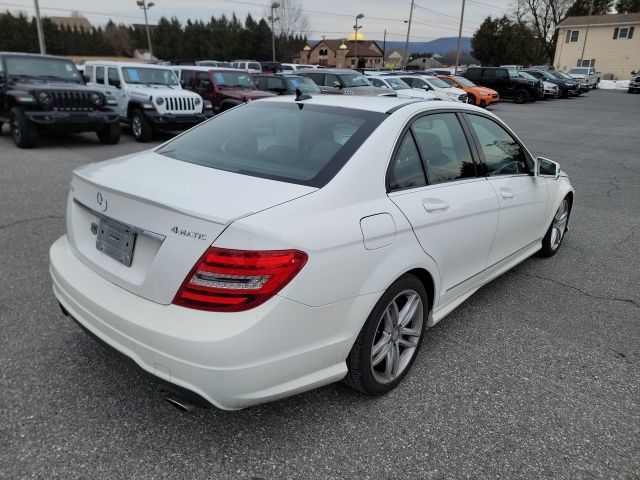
<point x="397" y="336"/>
<point x="136" y="126"/>
<point x="559" y="224"/>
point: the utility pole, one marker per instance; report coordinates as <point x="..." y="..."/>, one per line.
<point x="384" y="48"/>
<point x="406" y="44"/>
<point x="584" y="44"/>
<point x="43" y="50"/>
<point x="355" y="38"/>
<point x="273" y="18"/>
<point x="146" y="6"/>
<point x="455" y="71"/>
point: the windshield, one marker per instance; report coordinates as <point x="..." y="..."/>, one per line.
<point x="436" y="82"/>
<point x="528" y="76"/>
<point x="43" y="68"/>
<point x="464" y="82"/>
<point x="579" y="71"/>
<point x="397" y="84"/>
<point x="291" y="142"/>
<point x="233" y="79"/>
<point x="149" y="76"/>
<point x="561" y="75"/>
<point x="304" y="84"/>
<point x="355" y="80"/>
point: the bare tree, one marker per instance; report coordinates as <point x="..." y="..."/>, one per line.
<point x="544" y="16"/>
<point x="292" y="20"/>
<point x="291" y="24"/>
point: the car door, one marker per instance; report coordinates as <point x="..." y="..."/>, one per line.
<point x="523" y="197"/>
<point x="114" y="89"/>
<point x="328" y="86"/>
<point x="453" y="211"/>
<point x="3" y="89"/>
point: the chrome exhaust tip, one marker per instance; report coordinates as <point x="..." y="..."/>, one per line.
<point x="178" y="402"/>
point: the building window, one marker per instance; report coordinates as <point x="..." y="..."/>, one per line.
<point x="623" y="33"/>
<point x="572" y="36"/>
<point x="586" y="63"/>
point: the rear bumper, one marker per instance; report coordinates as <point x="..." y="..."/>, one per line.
<point x="232" y="360"/>
<point x="78" y="121"/>
<point x="171" y="121"/>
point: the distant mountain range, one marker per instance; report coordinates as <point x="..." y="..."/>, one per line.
<point x="441" y="46"/>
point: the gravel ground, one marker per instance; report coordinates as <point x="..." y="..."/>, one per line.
<point x="536" y="376"/>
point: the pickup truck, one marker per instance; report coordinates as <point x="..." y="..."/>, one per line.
<point x="587" y="76"/>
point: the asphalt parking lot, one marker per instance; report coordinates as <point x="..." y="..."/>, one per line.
<point x="536" y="376"/>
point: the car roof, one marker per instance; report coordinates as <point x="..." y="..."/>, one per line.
<point x="382" y="104"/>
<point x="35" y="55"/>
<point x="112" y="63"/>
<point x="206" y="68"/>
<point x="329" y="70"/>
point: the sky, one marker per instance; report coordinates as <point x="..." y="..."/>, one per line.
<point x="331" y="18"/>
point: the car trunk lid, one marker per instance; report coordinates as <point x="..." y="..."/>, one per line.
<point x="160" y="212"/>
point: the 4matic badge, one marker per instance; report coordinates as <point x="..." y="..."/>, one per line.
<point x="188" y="233"/>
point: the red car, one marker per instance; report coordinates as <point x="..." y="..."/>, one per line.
<point x="224" y="87"/>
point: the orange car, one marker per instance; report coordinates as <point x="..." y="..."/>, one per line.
<point x="481" y="96"/>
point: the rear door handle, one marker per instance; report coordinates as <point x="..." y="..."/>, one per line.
<point x="506" y="194"/>
<point x="432" y="205"/>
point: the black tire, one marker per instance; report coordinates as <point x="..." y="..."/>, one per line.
<point x="521" y="96"/>
<point x="595" y="85"/>
<point x="141" y="127"/>
<point x="361" y="370"/>
<point x="471" y="99"/>
<point x="110" y="134"/>
<point x="549" y="246"/>
<point x="23" y="132"/>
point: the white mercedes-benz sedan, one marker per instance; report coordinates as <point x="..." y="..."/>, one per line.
<point x="290" y="243"/>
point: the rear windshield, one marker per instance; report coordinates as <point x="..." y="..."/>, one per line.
<point x="289" y="142"/>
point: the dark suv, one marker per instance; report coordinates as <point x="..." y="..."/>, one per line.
<point x="224" y="87"/>
<point x="566" y="88"/>
<point x="44" y="93"/>
<point x="507" y="83"/>
<point x="344" y="82"/>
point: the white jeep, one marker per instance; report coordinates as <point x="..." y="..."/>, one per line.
<point x="149" y="97"/>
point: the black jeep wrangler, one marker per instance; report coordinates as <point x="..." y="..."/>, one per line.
<point x="507" y="83"/>
<point x="41" y="93"/>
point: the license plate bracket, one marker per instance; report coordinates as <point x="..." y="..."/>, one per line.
<point x="116" y="240"/>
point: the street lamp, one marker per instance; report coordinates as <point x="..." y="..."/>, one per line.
<point x="146" y="6"/>
<point x="273" y="18"/>
<point x="355" y="38"/>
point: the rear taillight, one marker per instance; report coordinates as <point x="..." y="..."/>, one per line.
<point x="234" y="280"/>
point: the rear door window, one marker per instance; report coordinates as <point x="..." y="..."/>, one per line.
<point x="100" y="75"/>
<point x="406" y="169"/>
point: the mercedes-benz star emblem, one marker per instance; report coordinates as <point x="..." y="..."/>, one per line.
<point x="102" y="202"/>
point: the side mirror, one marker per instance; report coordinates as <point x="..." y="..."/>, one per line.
<point x="116" y="83"/>
<point x="336" y="84"/>
<point x="87" y="79"/>
<point x="633" y="72"/>
<point x="546" y="168"/>
<point x="205" y="84"/>
<point x="426" y="87"/>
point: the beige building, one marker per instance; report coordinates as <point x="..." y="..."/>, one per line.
<point x="342" y="54"/>
<point x="612" y="45"/>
